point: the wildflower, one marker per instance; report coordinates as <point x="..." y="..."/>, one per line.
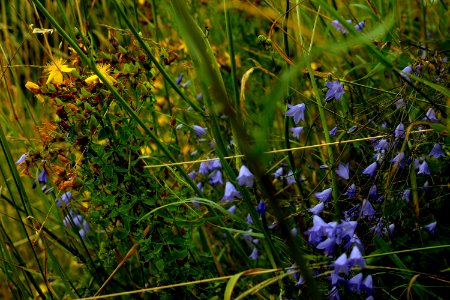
<point x="215" y="178"/>
<point x="398" y="158"/>
<point x="356" y="258"/>
<point x="400" y="103"/>
<point x="360" y="26"/>
<point x="204" y="168"/>
<point x="317" y="231"/>
<point x="278" y="173"/>
<point x="215" y="165"/>
<point x="261" y="209"/>
<point x="431" y="227"/>
<point x="55" y="70"/>
<point x="254" y="255"/>
<point x="296" y="131"/>
<point x="343" y="171"/>
<point x="355" y="241"/>
<point x="431" y="115"/>
<point x="296" y="111"/>
<point x="22" y="158"/>
<point x="339" y="26"/>
<point x="367" y="208"/>
<point x="354" y="283"/>
<point x="352" y="129"/>
<point x="290" y="179"/>
<point x="406" y="195"/>
<point x="373" y="192"/>
<point x="230" y="192"/>
<point x="324" y="196"/>
<point x="371" y="169"/>
<point x="351" y="191"/>
<point x="341" y="264"/>
<point x="105" y="70"/>
<point x="335" y="279"/>
<point x="399" y="131"/>
<point x="245" y="177"/>
<point x="334" y="294"/>
<point x="249" y="219"/>
<point x="179" y="79"/>
<point x="333" y="131"/>
<point x="437" y="151"/>
<point x="317" y="209"/>
<point x="327" y="245"/>
<point x="232" y="210"/>
<point x="423" y="169"/>
<point x="335" y="90"/>
<point x="367" y="284"/>
<point x="381" y="144"/>
<point x="192" y="175"/>
<point x="301" y="281"/>
<point x="405" y="71"/>
<point x="64" y="198"/>
<point x="199" y="131"/>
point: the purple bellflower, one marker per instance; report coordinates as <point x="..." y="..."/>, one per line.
<point x="296" y="111"/>
<point x="431" y="227"/>
<point x="371" y="169"/>
<point x="179" y="79"/>
<point x="404" y="73"/>
<point x="360" y="26"/>
<point x="64" y="198"/>
<point x="367" y="284"/>
<point x="356" y="258"/>
<point x="373" y="192"/>
<point x="341" y="264"/>
<point x="249" y="219"/>
<point x="245" y="177"/>
<point x="333" y="131"/>
<point x="354" y="283"/>
<point x="399" y="131"/>
<point x="406" y="194"/>
<point x="199" y="131"/>
<point x="339" y="26"/>
<point x="296" y="131"/>
<point x="343" y="171"/>
<point x="367" y="209"/>
<point x="278" y="173"/>
<point x="437" y="151"/>
<point x="290" y="179"/>
<point x="232" y="210"/>
<point x="324" y="196"/>
<point x="254" y="255"/>
<point x="431" y="116"/>
<point x="423" y="169"/>
<point x="261" y="208"/>
<point x="215" y="178"/>
<point x="22" y="158"/>
<point x="317" y="209"/>
<point x="230" y="192"/>
<point x="398" y="158"/>
<point x="351" y="191"/>
<point x="42" y="178"/>
<point x="335" y="90"/>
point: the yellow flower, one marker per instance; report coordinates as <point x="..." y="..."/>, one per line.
<point x="105" y="69"/>
<point x="55" y="70"/>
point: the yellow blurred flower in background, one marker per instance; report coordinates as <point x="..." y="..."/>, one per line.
<point x="55" y="70"/>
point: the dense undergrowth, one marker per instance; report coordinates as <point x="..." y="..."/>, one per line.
<point x="209" y="149"/>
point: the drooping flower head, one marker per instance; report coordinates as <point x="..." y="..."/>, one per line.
<point x="199" y="131"/>
<point x="317" y="209"/>
<point x="437" y="151"/>
<point x="245" y="177"/>
<point x="371" y="169"/>
<point x="296" y="111"/>
<point x="423" y="169"/>
<point x="335" y="90"/>
<point x="431" y="227"/>
<point x="343" y="171"/>
<point x="404" y="73"/>
<point x="333" y="131"/>
<point x="399" y="131"/>
<point x="296" y="131"/>
<point x="431" y="115"/>
<point x="230" y="192"/>
<point x="324" y="196"/>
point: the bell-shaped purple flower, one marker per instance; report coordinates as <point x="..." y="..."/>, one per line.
<point x="42" y="178"/>
<point x="278" y="173"/>
<point x="245" y="177"/>
<point x="290" y="179"/>
<point x="360" y="26"/>
<point x="371" y="169"/>
<point x="367" y="284"/>
<point x="324" y="196"/>
<point x="399" y="131"/>
<point x="249" y="219"/>
<point x="423" y="169"/>
<point x="64" y="198"/>
<point x="215" y="178"/>
<point x="437" y="151"/>
<point x="254" y="255"/>
<point x="333" y="131"/>
<point x="373" y="192"/>
<point x="343" y="171"/>
<point x="296" y="131"/>
<point x="398" y="158"/>
<point x="431" y="115"/>
<point x="22" y="158"/>
<point x="317" y="209"/>
<point x="232" y="210"/>
<point x="367" y="209"/>
<point x="204" y="168"/>
<point x="327" y="245"/>
<point x="341" y="264"/>
<point x="351" y="191"/>
<point x="261" y="208"/>
<point x="317" y="231"/>
<point x="230" y="192"/>
<point x="199" y="131"/>
<point x="404" y="73"/>
<point x="296" y="111"/>
<point x="335" y="90"/>
<point x="356" y="258"/>
<point x="431" y="227"/>
<point x="406" y="195"/>
<point x="192" y="175"/>
<point x="354" y="283"/>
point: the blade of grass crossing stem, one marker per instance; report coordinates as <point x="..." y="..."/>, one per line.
<point x="231" y="284"/>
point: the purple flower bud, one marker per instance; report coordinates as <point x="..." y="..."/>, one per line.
<point x="431" y="227"/>
<point x="249" y="219"/>
<point x="254" y="255"/>
<point x="192" y="175"/>
<point x="296" y="131"/>
<point x="261" y="209"/>
<point x="333" y="131"/>
<point x="406" y="195"/>
<point x="399" y="131"/>
<point x="367" y="284"/>
<point x="431" y="116"/>
<point x="22" y="158"/>
<point x="352" y="129"/>
<point x="179" y="78"/>
<point x="232" y="210"/>
<point x="204" y="168"/>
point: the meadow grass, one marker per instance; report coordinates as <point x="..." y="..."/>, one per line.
<point x="208" y="149"/>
